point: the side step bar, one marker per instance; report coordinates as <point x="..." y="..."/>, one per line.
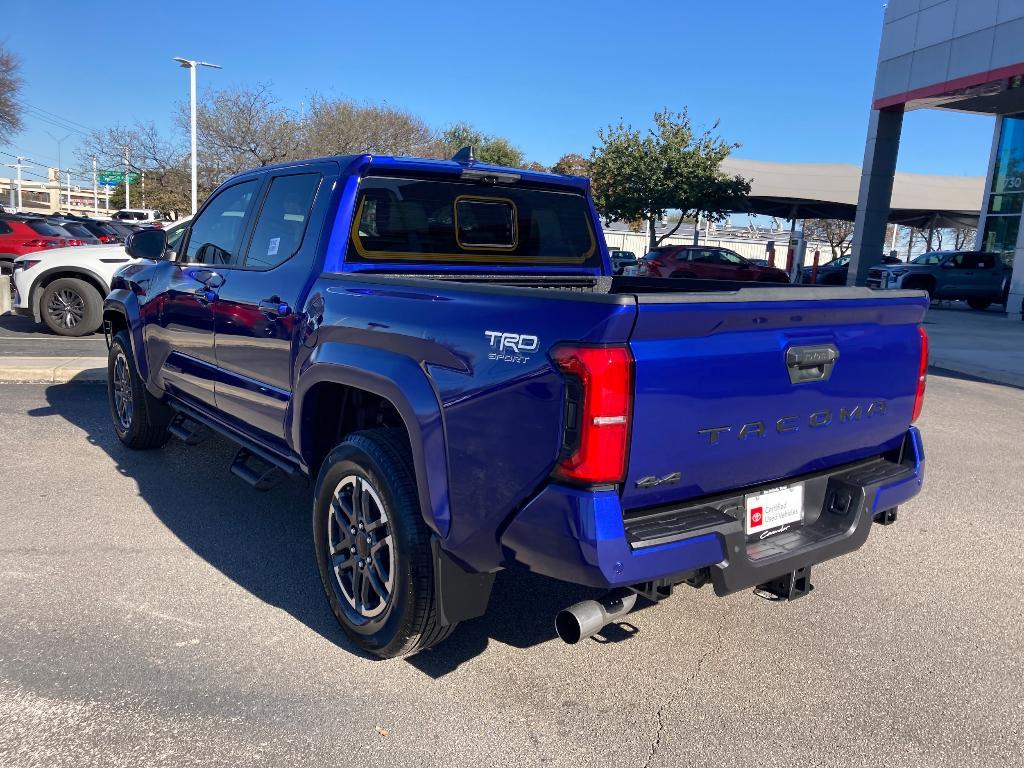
<point x="253" y="464"/>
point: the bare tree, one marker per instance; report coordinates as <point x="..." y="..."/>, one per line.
<point x="242" y="128"/>
<point x="143" y="149"/>
<point x="964" y="237"/>
<point x="10" y="88"/>
<point x="837" y="233"/>
<point x="340" y="126"/>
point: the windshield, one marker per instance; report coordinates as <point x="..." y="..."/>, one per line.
<point x="425" y="220"/>
<point x="842" y="261"/>
<point x="935" y="257"/>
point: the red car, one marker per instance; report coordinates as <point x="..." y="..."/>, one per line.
<point x="19" y="236"/>
<point x="708" y="263"/>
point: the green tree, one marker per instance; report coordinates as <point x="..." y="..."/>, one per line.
<point x="488" y="149"/>
<point x="572" y="164"/>
<point x="643" y="175"/>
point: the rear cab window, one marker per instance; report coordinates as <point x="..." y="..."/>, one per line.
<point x="422" y="220"/>
<point x="281" y="225"/>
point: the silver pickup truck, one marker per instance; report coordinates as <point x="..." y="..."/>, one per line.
<point x="977" y="277"/>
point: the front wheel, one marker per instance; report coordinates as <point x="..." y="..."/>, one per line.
<point x="373" y="548"/>
<point x="72" y="307"/>
<point x="140" y="420"/>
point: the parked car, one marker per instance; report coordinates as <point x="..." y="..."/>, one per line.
<point x="466" y="393"/>
<point x="977" y="277"/>
<point x="623" y="262"/>
<point x="103" y="231"/>
<point x="64" y="287"/>
<point x="139" y="216"/>
<point x="77" y="231"/>
<point x="122" y="229"/>
<point x="835" y="272"/>
<point x="20" y="235"/>
<point x="708" y="263"/>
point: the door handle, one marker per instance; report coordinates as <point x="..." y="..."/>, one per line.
<point x="275" y="308"/>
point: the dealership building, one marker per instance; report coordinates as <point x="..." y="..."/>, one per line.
<point x="959" y="55"/>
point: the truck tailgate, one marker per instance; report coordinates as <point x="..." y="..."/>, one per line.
<point x="737" y="389"/>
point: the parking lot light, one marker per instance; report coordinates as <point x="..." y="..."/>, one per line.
<point x="192" y="65"/>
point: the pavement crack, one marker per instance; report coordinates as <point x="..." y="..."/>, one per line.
<point x="657" y="736"/>
<point x="712" y="649"/>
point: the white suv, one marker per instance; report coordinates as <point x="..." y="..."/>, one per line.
<point x="64" y="287"/>
<point x="139" y="216"/>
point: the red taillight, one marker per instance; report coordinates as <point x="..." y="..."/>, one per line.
<point x="599" y="396"/>
<point x="40" y="243"/>
<point x="105" y="238"/>
<point x="922" y="374"/>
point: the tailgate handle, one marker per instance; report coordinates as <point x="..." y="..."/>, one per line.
<point x="811" y="363"/>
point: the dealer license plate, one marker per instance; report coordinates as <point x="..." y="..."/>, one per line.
<point x="773" y="510"/>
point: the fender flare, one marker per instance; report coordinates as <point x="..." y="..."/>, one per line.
<point x="401" y="381"/>
<point x="123" y="302"/>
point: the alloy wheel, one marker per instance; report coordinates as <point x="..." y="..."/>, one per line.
<point x="124" y="405"/>
<point x="360" y="548"/>
<point x="66" y="308"/>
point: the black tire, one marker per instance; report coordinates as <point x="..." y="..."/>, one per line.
<point x="405" y="620"/>
<point x="71" y="307"/>
<point x="979" y="304"/>
<point x="6" y="265"/>
<point x="141" y="422"/>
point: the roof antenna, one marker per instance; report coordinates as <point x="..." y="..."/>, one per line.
<point x="465" y="155"/>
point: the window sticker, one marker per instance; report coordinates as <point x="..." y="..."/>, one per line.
<point x="274" y="244"/>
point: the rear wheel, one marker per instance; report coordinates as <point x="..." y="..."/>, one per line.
<point x="373" y="548"/>
<point x="71" y="307"/>
<point x="979" y="303"/>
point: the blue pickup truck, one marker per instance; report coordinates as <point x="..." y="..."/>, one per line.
<point x="442" y="349"/>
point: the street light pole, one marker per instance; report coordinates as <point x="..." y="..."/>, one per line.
<point x="69" y="189"/>
<point x="95" y="192"/>
<point x="127" y="181"/>
<point x="59" y="143"/>
<point x="192" y="65"/>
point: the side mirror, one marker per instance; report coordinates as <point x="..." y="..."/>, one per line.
<point x="146" y="244"/>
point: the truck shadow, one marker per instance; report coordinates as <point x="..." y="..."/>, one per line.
<point x="263" y="542"/>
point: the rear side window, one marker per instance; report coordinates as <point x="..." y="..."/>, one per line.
<point x="216" y="234"/>
<point x="5" y="228"/>
<point x="47" y="230"/>
<point x="282" y="222"/>
<point x="417" y="220"/>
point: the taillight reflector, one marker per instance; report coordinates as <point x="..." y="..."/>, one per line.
<point x="922" y="374"/>
<point x="600" y="395"/>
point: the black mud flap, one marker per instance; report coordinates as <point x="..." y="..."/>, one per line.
<point x="461" y="594"/>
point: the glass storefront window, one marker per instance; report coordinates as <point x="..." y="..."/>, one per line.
<point x="1006" y="204"/>
<point x="1008" y="175"/>
<point x="1001" y="236"/>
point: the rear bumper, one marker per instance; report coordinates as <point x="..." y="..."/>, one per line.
<point x="581" y="536"/>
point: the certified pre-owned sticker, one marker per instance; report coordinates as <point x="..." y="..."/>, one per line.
<point x="511" y="347"/>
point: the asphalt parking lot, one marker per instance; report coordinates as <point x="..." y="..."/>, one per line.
<point x="21" y="337"/>
<point x="156" y="611"/>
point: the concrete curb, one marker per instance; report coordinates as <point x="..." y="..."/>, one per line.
<point x="988" y="375"/>
<point x="52" y="370"/>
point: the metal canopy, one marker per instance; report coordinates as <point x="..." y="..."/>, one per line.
<point x="830" y="190"/>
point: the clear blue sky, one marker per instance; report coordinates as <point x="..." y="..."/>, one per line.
<point x="790" y="81"/>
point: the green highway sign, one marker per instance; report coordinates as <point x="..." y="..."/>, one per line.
<point x="113" y="178"/>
